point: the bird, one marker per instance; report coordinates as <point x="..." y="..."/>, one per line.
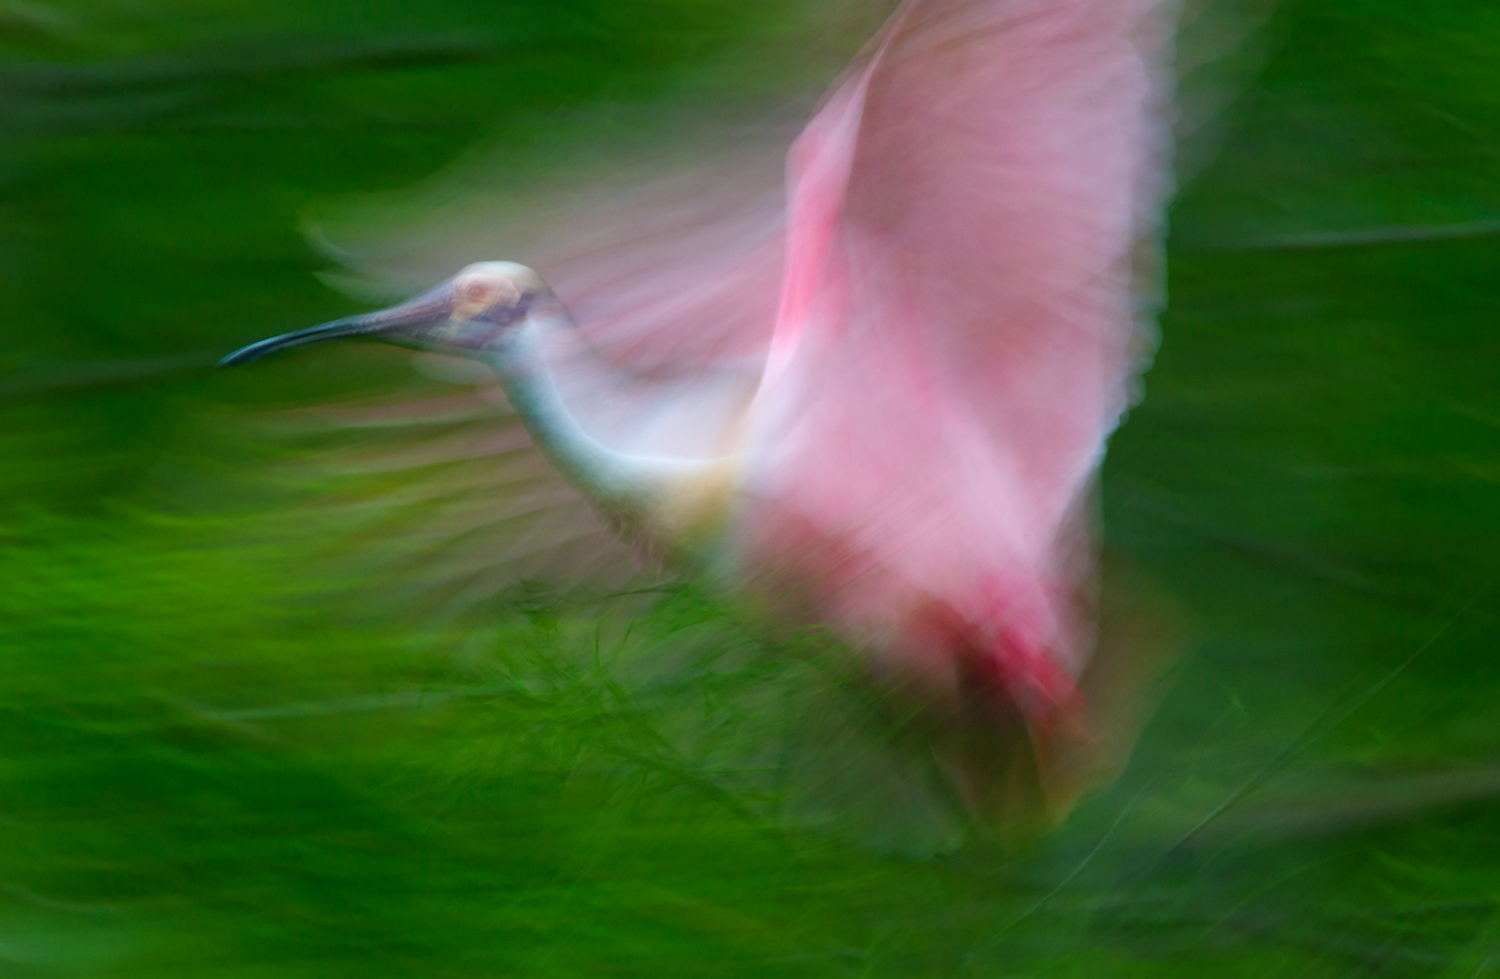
<point x="894" y="403"/>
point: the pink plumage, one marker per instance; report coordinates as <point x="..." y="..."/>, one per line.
<point x="965" y="350"/>
<point x="952" y="338"/>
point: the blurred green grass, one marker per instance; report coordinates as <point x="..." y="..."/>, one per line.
<point x="219" y="757"/>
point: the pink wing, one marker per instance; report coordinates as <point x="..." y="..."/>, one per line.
<point x="958" y="329"/>
<point x="679" y="274"/>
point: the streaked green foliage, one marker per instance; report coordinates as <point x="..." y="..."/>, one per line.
<point x="219" y="755"/>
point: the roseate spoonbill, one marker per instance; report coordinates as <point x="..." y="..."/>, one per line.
<point x="943" y="334"/>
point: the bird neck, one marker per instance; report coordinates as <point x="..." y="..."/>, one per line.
<point x="678" y="504"/>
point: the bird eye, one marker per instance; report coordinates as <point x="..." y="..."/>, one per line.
<point x="477" y="291"/>
<point x="486" y="293"/>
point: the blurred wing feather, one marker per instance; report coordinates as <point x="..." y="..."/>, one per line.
<point x="999" y="165"/>
<point x="443" y="502"/>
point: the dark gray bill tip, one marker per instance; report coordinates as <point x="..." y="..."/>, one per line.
<point x="245" y="355"/>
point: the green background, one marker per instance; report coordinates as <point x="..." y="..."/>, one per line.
<point x="217" y="757"/>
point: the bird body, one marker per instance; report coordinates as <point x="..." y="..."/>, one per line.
<point x="936" y="365"/>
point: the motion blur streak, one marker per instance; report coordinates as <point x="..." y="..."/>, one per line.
<point x="316" y="668"/>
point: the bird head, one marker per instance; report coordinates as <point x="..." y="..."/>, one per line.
<point x="465" y="316"/>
